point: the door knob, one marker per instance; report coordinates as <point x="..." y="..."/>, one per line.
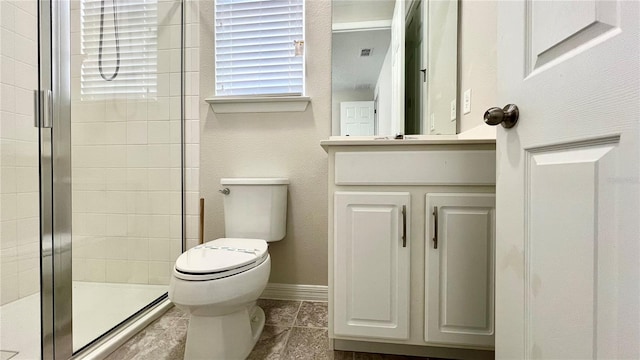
<point x="507" y="116"/>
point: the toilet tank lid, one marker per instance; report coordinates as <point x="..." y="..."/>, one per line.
<point x="254" y="181"/>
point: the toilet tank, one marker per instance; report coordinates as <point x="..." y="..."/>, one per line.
<point x="255" y="208"/>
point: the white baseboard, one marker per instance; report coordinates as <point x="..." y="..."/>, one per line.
<point x="295" y="292"/>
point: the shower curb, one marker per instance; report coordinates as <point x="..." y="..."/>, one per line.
<point x="112" y="342"/>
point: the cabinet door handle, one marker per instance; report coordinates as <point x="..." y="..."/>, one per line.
<point x="435" y="227"/>
<point x="404" y="225"/>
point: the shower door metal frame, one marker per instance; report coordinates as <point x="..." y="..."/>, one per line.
<point x="55" y="178"/>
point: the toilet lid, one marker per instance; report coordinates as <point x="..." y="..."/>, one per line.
<point x="222" y="255"/>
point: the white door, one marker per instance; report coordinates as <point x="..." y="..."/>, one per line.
<point x="357" y="118"/>
<point x="371" y="264"/>
<point x="459" y="269"/>
<point x="568" y="246"/>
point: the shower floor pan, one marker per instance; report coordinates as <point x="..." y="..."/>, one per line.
<point x="97" y="307"/>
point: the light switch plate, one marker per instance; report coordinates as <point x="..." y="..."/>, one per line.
<point x="467" y="101"/>
<point x="453" y="110"/>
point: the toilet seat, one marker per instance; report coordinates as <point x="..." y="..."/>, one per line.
<point x="220" y="258"/>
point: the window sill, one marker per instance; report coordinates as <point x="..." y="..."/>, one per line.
<point x="229" y="104"/>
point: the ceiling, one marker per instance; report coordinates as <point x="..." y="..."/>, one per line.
<point x="350" y="71"/>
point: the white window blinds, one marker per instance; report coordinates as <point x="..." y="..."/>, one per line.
<point x="255" y="52"/>
<point x="125" y="64"/>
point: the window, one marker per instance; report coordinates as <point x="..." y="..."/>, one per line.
<point x="256" y="47"/>
<point x="119" y="45"/>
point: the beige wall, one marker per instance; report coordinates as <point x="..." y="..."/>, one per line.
<point x="287" y="144"/>
<point x="443" y="26"/>
<point x="383" y="89"/>
<point x="275" y="144"/>
<point x="478" y="60"/>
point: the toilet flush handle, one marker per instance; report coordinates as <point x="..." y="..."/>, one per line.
<point x="224" y="191"/>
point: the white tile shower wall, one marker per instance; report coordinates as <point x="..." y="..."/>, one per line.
<point x="126" y="170"/>
<point x="19" y="236"/>
<point x="192" y="122"/>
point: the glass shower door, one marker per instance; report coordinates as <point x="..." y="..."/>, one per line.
<point x="91" y="196"/>
<point x="91" y="191"/>
<point x="19" y="183"/>
<point x="126" y="157"/>
<point x="35" y="236"/>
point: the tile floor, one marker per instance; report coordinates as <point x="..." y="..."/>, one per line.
<point x="293" y="330"/>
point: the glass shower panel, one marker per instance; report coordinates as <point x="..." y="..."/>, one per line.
<point x="19" y="183"/>
<point x="126" y="144"/>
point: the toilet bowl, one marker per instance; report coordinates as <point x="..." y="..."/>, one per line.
<point x="218" y="283"/>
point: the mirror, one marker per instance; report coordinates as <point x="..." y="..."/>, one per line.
<point x="394" y="67"/>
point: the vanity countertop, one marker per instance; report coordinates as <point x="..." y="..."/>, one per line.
<point x="480" y="135"/>
<point x="417" y="140"/>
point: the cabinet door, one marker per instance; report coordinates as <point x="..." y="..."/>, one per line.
<point x="371" y="264"/>
<point x="459" y="299"/>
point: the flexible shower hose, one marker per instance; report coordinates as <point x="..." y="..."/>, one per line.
<point x="115" y="31"/>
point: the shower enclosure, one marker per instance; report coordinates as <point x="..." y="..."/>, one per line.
<point x="91" y="168"/>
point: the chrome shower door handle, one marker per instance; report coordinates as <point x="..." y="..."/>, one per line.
<point x="42" y="109"/>
<point x="46" y="105"/>
<point x="36" y="108"/>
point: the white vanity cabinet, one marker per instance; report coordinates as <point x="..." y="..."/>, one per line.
<point x="459" y="267"/>
<point x="371" y="262"/>
<point x="400" y="295"/>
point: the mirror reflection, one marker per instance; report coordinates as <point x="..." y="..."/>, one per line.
<point x="394" y="67"/>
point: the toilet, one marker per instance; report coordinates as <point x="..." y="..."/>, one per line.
<point x="217" y="283"/>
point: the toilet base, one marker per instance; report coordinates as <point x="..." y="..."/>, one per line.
<point x="230" y="336"/>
